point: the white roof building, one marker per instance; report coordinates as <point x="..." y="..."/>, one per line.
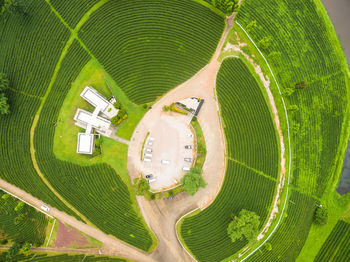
<point x="191" y="104"/>
<point x="90" y="121"/>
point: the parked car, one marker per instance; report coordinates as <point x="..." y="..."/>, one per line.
<point x="45" y="208"/>
<point x="186" y="168"/>
<point x="165" y="162"/>
<point x="187" y="159"/>
<point x="152" y="180"/>
<point x="188" y="147"/>
<point x="148" y="155"/>
<point x="149" y="143"/>
<point x="149" y="176"/>
<point x="147" y="160"/>
<point x="148" y="150"/>
<point x="189" y="135"/>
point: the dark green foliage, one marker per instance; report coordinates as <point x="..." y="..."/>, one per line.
<point x="29" y="56"/>
<point x="205" y="234"/>
<point x="248" y="124"/>
<point x="141" y="185"/>
<point x="22" y="225"/>
<point x="13" y="250"/>
<point x="290" y="236"/>
<point x="16" y="165"/>
<point x="321" y="215"/>
<point x="300" y="85"/>
<point x="116" y="105"/>
<point x="227" y="6"/>
<point x="193" y="181"/>
<point x="87" y="188"/>
<point x="151" y="46"/>
<point x="245" y="225"/>
<point x="4" y="106"/>
<point x="4" y="82"/>
<point x="26" y="248"/>
<point x="16" y="6"/>
<point x="336" y="247"/>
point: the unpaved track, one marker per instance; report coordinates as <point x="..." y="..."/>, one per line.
<point x="111" y="246"/>
<point x="162" y="215"/>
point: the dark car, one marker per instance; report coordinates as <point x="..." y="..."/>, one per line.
<point x="188" y="147"/>
<point x="149" y="176"/>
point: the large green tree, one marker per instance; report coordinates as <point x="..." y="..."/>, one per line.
<point x="4" y="82"/>
<point x="245" y="225"/>
<point x="193" y="180"/>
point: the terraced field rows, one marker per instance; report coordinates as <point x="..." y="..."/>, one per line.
<point x="337" y="245"/>
<point x="95" y="191"/>
<point x="291" y="234"/>
<point x="307" y="50"/>
<point x="151" y="46"/>
<point x="72" y="11"/>
<point x="250" y="133"/>
<point x="251" y="139"/>
<point x="26" y="224"/>
<point x="27" y="55"/>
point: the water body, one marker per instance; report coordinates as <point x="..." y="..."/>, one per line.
<point x="339" y="12"/>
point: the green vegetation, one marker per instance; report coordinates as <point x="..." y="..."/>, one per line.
<point x="20" y="223"/>
<point x="245" y="225"/>
<point x="141" y="186"/>
<point x="100" y="185"/>
<point x="321" y="215"/>
<point x="169" y="43"/>
<point x="249" y="182"/>
<point x="201" y="147"/>
<point x="337" y="245"/>
<point x="227" y="6"/>
<point x="193" y="181"/>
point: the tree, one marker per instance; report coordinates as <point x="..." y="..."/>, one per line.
<point x="265" y="42"/>
<point x="4" y="82"/>
<point x="245" y="225"/>
<point x="193" y="180"/>
<point x="321" y="215"/>
<point x="300" y="85"/>
<point x="141" y="185"/>
<point x="4" y="106"/>
<point x="16" y="6"/>
<point x="13" y="250"/>
<point x="26" y="248"/>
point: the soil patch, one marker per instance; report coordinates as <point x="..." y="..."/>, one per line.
<point x="69" y="237"/>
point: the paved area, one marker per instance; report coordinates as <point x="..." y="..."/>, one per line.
<point x="169" y="211"/>
<point x="167" y="139"/>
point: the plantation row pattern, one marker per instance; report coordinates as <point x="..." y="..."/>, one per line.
<point x="151" y="46"/>
<point x="28" y="56"/>
<point x="291" y="234"/>
<point x="307" y="50"/>
<point x="205" y="234"/>
<point x="95" y="191"/>
<point x="26" y="224"/>
<point x="337" y="245"/>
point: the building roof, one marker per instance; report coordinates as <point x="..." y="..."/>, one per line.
<point x="92" y="119"/>
<point x="85" y="143"/>
<point x="94" y="98"/>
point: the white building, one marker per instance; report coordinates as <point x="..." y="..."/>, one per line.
<point x="95" y="121"/>
<point x="191" y="105"/>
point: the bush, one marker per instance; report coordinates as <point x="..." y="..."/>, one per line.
<point x="141" y="185"/>
<point x="193" y="180"/>
<point x="321" y="215"/>
<point x="116" y="105"/>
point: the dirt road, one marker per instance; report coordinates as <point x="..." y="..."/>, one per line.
<point x="111" y="246"/>
<point x="162" y="215"/>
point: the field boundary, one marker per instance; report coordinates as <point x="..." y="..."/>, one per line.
<point x="289" y="149"/>
<point x="41" y="211"/>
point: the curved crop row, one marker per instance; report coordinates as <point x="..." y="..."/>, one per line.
<point x="72" y="11"/>
<point x="290" y="236"/>
<point x="95" y="191"/>
<point x="28" y="56"/>
<point x="26" y="224"/>
<point x="251" y="141"/>
<point x="150" y="46"/>
<point x="337" y="245"/>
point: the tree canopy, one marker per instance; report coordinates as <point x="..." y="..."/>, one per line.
<point x="4" y="106"/>
<point x="193" y="180"/>
<point x="141" y="185"/>
<point x="245" y="225"/>
<point x="321" y="215"/>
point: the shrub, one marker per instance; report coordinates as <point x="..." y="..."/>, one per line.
<point x="141" y="185"/>
<point x="321" y="215"/>
<point x="116" y="105"/>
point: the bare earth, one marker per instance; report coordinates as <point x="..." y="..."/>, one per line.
<point x="68" y="237"/>
<point x="162" y="215"/>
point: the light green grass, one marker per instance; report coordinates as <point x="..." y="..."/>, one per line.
<point x="201" y="147"/>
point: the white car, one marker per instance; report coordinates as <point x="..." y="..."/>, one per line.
<point x="149" y="143"/>
<point x="189" y="135"/>
<point x="165" y="162"/>
<point x="45" y="208"/>
<point x="186" y="168"/>
<point x="148" y="150"/>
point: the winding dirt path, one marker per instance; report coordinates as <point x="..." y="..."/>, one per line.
<point x="162" y="215"/>
<point x="111" y="246"/>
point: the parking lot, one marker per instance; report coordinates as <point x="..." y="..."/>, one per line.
<point x="164" y="151"/>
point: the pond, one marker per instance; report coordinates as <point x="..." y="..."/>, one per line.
<point x="338" y="11"/>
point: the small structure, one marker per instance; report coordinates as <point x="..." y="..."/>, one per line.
<point x="96" y="121"/>
<point x="191" y="105"/>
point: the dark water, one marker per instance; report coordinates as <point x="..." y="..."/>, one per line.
<point x="339" y="12"/>
<point x="344" y="182"/>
